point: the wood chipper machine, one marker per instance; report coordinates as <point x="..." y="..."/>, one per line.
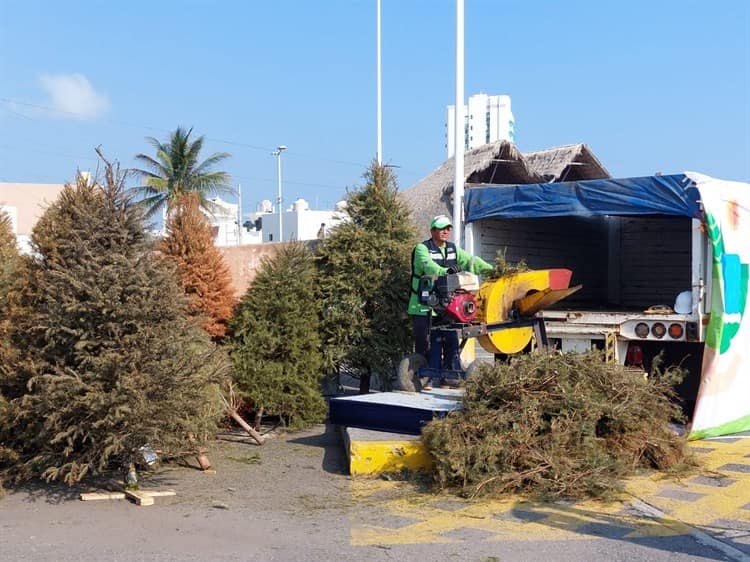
<point x="499" y="313"/>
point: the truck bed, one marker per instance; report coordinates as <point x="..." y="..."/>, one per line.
<point x="625" y="264"/>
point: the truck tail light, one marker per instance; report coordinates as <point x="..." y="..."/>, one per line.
<point x="641" y="330"/>
<point x="658" y="330"/>
<point x="634" y="356"/>
<point x="675" y="331"/>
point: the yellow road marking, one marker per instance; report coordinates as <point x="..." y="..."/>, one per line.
<point x="511" y="519"/>
<point x="718" y="502"/>
<point x="425" y="518"/>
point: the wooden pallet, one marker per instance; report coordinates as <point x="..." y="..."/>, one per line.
<point x="140" y="497"/>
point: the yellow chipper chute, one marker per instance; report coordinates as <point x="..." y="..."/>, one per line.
<point x="512" y="298"/>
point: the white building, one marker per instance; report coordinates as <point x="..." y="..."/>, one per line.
<point x="486" y="119"/>
<point x="227" y="228"/>
<point x="25" y="203"/>
<point x="299" y="221"/>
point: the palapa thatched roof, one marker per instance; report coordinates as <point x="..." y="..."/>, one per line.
<point x="500" y="163"/>
<point x="571" y="162"/>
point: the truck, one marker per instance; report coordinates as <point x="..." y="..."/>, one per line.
<point x="638" y="246"/>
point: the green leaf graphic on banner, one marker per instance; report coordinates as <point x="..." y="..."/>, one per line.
<point x="730" y="280"/>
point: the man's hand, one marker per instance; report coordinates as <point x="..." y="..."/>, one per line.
<point x="454" y="269"/>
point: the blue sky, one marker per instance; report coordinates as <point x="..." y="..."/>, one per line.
<point x="659" y="85"/>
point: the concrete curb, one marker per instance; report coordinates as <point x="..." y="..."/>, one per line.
<point x="372" y="453"/>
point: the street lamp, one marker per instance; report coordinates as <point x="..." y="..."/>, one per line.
<point x="277" y="154"/>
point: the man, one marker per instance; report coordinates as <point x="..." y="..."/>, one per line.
<point x="438" y="256"/>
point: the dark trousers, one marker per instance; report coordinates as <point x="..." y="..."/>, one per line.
<point x="421" y="328"/>
<point x="443" y="352"/>
<point x="439" y="348"/>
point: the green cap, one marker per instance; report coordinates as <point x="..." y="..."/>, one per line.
<point x="441" y="221"/>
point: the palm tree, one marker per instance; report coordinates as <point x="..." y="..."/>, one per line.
<point x="175" y="170"/>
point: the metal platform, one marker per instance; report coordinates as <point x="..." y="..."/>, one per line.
<point x="394" y="412"/>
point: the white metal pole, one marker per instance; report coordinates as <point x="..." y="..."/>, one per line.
<point x="379" y="96"/>
<point x="281" y="209"/>
<point x="239" y="214"/>
<point x="458" y="180"/>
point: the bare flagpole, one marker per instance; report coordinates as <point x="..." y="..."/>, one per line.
<point x="458" y="180"/>
<point x="379" y="96"/>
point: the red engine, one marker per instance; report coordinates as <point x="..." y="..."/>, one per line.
<point x="462" y="307"/>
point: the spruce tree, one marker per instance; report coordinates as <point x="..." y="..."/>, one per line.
<point x="110" y="360"/>
<point x="275" y="344"/>
<point x="204" y="274"/>
<point x="365" y="281"/>
<point x="9" y="267"/>
<point x="9" y="270"/>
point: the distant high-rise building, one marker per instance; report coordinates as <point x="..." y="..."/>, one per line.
<point x="486" y="119"/>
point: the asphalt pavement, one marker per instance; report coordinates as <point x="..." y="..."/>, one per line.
<point x="292" y="499"/>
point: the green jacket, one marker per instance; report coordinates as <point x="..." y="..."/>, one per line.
<point x="424" y="264"/>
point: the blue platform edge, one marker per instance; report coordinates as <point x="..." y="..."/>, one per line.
<point x="393" y="412"/>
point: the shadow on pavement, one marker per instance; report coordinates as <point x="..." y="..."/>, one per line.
<point x="627" y="525"/>
<point x="330" y="440"/>
<point x="55" y="492"/>
<point x="39" y="490"/>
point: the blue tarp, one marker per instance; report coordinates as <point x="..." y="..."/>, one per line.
<point x="651" y="195"/>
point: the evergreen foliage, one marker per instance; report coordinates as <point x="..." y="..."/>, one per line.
<point x="8" y="250"/>
<point x="556" y="425"/>
<point x="504" y="268"/>
<point x="9" y="270"/>
<point x="175" y="170"/>
<point x="203" y="272"/>
<point x="275" y="344"/>
<point x="365" y="279"/>
<point x="9" y="279"/>
<point x="110" y="361"/>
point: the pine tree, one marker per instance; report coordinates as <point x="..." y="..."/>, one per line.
<point x="275" y="344"/>
<point x="365" y="280"/>
<point x="9" y="270"/>
<point x="7" y="239"/>
<point x="204" y="274"/>
<point x="110" y="359"/>
<point x="9" y="266"/>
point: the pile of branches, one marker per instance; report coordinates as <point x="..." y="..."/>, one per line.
<point x="553" y="425"/>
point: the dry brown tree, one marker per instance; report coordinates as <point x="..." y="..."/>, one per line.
<point x="203" y="272"/>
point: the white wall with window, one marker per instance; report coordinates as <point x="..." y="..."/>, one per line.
<point x="299" y="222"/>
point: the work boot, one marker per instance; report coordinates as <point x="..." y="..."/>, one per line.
<point x="451" y="383"/>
